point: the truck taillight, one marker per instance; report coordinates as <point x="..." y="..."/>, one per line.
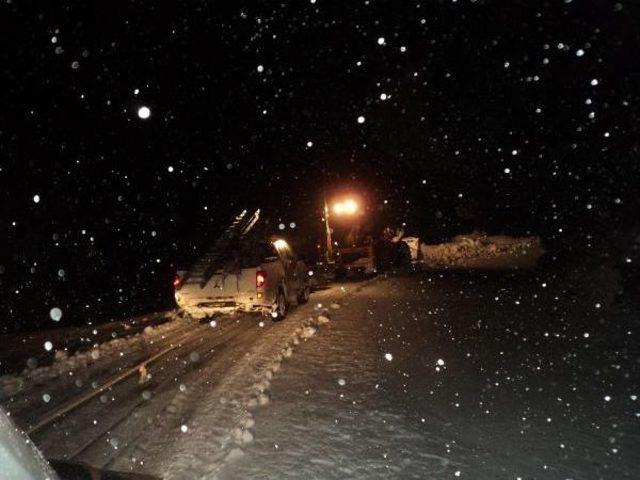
<point x="177" y="282"/>
<point x="261" y="279"/>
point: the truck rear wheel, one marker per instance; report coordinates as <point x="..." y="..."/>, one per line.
<point x="281" y="306"/>
<point x="303" y="295"/>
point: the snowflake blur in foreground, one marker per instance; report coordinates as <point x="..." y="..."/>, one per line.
<point x="36" y="198"/>
<point x="48" y="346"/>
<point x="360" y="119"/>
<point x="144" y="112"/>
<point x="56" y="314"/>
<point x="388" y="357"/>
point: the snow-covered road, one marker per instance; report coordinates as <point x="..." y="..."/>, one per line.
<point x="446" y="376"/>
<point x="189" y="418"/>
<point x="425" y="376"/>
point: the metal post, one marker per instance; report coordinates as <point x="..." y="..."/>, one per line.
<point x="328" y="231"/>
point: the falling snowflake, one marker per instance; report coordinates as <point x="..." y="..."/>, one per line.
<point x="56" y="314"/>
<point x="144" y="112"/>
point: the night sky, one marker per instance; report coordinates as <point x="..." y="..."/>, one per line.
<point x="512" y="117"/>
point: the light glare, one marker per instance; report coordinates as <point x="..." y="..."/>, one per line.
<point x="144" y="112"/>
<point x="280" y="244"/>
<point x="346" y="207"/>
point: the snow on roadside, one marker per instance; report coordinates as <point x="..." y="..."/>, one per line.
<point x="484" y="252"/>
<point x="63" y="364"/>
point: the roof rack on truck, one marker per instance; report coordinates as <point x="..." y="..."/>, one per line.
<point x="202" y="270"/>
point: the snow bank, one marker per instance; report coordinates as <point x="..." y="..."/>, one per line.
<point x="414" y="246"/>
<point x="481" y="251"/>
<point x="63" y="363"/>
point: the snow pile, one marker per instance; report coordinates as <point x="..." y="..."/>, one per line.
<point x="64" y="363"/>
<point x="478" y="250"/>
<point x="414" y="246"/>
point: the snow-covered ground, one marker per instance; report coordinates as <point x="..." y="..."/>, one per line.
<point x="24" y="352"/>
<point x="479" y="251"/>
<point x="453" y="377"/>
<point x="426" y="376"/>
<point x="189" y="418"/>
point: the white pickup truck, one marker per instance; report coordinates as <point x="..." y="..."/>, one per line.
<point x="264" y="276"/>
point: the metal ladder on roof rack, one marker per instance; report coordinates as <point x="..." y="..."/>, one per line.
<point x="204" y="268"/>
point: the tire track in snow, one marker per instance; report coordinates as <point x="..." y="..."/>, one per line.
<point x="173" y="406"/>
<point x="60" y="440"/>
<point x="246" y="387"/>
